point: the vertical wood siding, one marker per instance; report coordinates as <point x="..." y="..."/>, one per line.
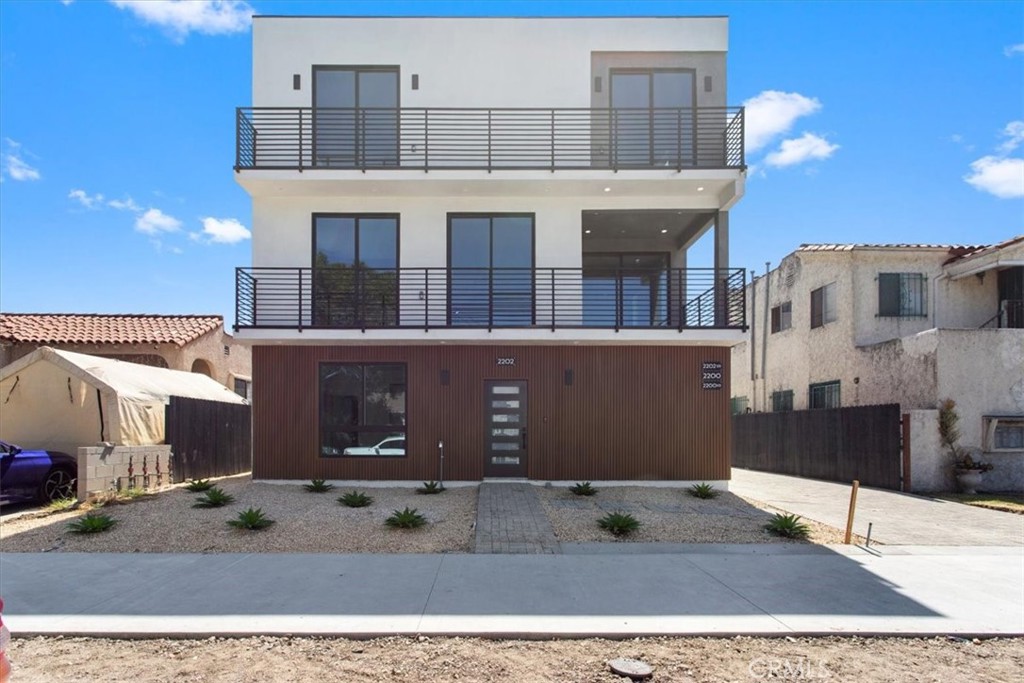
<point x="631" y="412"/>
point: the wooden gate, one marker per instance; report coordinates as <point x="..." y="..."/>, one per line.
<point x="208" y="438"/>
<point x="841" y="444"/>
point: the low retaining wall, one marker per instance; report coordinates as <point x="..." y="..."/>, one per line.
<point x="102" y="468"/>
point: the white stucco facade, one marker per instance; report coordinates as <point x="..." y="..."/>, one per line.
<point x="483" y="63"/>
<point x="952" y="346"/>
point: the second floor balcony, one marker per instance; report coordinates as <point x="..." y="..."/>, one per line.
<point x="425" y="139"/>
<point x="341" y="298"/>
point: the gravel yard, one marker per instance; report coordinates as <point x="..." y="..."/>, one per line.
<point x="684" y="660"/>
<point x="668" y="515"/>
<point x="316" y="522"/>
<point x="305" y="523"/>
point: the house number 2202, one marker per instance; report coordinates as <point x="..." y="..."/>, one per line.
<point x="506" y="361"/>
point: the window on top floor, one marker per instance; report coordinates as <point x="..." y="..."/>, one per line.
<point x="823" y="305"/>
<point x="902" y="295"/>
<point x="782" y="317"/>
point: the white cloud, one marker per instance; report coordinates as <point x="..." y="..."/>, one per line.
<point x="1014" y="134"/>
<point x="82" y="197"/>
<point x="998" y="176"/>
<point x="772" y="113"/>
<point x="1012" y="50"/>
<point x="181" y="17"/>
<point x="222" y="231"/>
<point x="807" y="147"/>
<point x="155" y="221"/>
<point x="16" y="168"/>
<point x="126" y="204"/>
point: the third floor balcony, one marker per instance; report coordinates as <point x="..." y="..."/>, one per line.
<point x="426" y="139"/>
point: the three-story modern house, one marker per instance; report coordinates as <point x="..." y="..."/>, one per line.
<point x="475" y="232"/>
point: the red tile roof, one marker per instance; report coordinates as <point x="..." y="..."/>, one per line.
<point x="61" y="328"/>
<point x="851" y="247"/>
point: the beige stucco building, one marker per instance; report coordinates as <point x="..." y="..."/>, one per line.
<point x="847" y="325"/>
<point x="193" y="343"/>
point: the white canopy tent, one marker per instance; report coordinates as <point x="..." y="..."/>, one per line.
<point x="60" y="400"/>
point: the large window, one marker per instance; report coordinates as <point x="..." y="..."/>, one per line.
<point x="355" y="116"/>
<point x="362" y="409"/>
<point x="355" y="270"/>
<point x="824" y="395"/>
<point x="782" y="317"/>
<point x="782" y="400"/>
<point x="823" y="305"/>
<point x="902" y="295"/>
<point x="491" y="262"/>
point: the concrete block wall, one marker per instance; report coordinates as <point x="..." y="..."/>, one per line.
<point x="101" y="468"/>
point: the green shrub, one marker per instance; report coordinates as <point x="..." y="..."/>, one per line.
<point x="318" y="486"/>
<point x="430" y="487"/>
<point x="62" y="504"/>
<point x="789" y="526"/>
<point x="583" y="489"/>
<point x="214" y="498"/>
<point x="704" y="491"/>
<point x="355" y="499"/>
<point x="250" y="519"/>
<point x="199" y="485"/>
<point x="134" y="493"/>
<point x="92" y="523"/>
<point x="619" y="523"/>
<point x="406" y="519"/>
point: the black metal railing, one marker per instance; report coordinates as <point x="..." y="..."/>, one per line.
<point x="300" y="138"/>
<point x="1010" y="315"/>
<point x="489" y="298"/>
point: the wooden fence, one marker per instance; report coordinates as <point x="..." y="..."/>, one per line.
<point x="840" y="444"/>
<point x="208" y="438"/>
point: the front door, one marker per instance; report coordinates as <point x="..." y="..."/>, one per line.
<point x="505" y="428"/>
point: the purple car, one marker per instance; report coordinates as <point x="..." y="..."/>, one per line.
<point x="30" y="476"/>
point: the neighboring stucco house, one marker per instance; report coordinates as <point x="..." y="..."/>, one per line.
<point x="857" y="324"/>
<point x="193" y="343"/>
<point x="477" y="231"/>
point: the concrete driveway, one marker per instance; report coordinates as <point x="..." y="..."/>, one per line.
<point x="896" y="518"/>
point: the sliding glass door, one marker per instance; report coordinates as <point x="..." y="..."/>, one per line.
<point x="490" y="257"/>
<point x="652" y="115"/>
<point x="355" y="116"/>
<point x="355" y="270"/>
<point x="625" y="290"/>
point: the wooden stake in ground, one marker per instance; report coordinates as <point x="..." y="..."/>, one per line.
<point x="849" y="517"/>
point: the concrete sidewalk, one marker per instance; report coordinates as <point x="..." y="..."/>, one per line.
<point x="896" y="518"/>
<point x="698" y="589"/>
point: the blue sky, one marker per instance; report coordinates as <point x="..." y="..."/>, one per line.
<point x="868" y="122"/>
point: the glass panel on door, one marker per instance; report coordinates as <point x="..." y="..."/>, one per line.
<point x="652" y="114"/>
<point x="355" y="117"/>
<point x="505" y="435"/>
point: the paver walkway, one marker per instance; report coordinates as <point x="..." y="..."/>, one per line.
<point x="510" y="519"/>
<point x="896" y="518"/>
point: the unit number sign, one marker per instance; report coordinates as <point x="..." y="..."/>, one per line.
<point x="711" y="375"/>
<point x="506" y="361"/>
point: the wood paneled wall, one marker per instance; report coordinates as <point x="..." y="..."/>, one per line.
<point x="631" y="412"/>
